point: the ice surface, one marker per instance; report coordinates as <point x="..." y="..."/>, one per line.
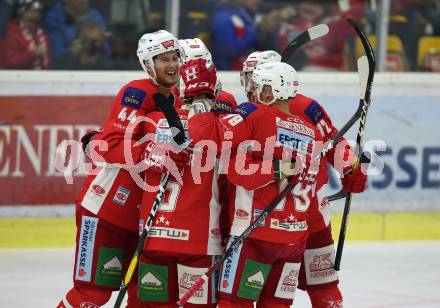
<point x="373" y="275"/>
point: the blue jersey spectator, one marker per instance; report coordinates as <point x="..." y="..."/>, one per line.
<point x="234" y="36"/>
<point x="6" y="13"/>
<point x="61" y="21"/>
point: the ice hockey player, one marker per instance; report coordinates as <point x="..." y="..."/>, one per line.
<point x="321" y="283"/>
<point x="185" y="236"/>
<point x="249" y="65"/>
<point x="192" y="49"/>
<point x="107" y="210"/>
<point x="317" y="275"/>
<point x="265" y="268"/>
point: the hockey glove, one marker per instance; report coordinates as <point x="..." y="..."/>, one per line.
<point x="85" y="140"/>
<point x="160" y="159"/>
<point x="354" y="181"/>
<point x="283" y="169"/>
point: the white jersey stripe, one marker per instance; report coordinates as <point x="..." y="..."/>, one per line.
<point x="243" y="210"/>
<point x="105" y="179"/>
<point x="214" y="240"/>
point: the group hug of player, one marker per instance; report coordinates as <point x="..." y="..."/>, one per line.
<point x="260" y="147"/>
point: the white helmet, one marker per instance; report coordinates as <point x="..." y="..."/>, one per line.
<point x="254" y="59"/>
<point x="191" y="49"/>
<point x="282" y="78"/>
<point x="153" y="44"/>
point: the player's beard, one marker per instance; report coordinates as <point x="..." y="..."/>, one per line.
<point x="167" y="81"/>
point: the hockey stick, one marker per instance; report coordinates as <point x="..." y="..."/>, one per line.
<point x="179" y="137"/>
<point x="366" y="66"/>
<point x="302" y="39"/>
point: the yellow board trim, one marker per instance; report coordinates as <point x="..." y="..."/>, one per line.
<point x="60" y="231"/>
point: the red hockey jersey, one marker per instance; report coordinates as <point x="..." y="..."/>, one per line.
<point x="112" y="194"/>
<point x="319" y="216"/>
<point x="188" y="217"/>
<point x="224" y="103"/>
<point x="271" y="129"/>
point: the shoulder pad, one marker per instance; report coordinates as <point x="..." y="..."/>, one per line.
<point x="315" y="112"/>
<point x="133" y="97"/>
<point x="245" y="109"/>
<point x="221" y="106"/>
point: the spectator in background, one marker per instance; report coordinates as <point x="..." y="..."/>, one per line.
<point x="86" y="52"/>
<point x="6" y="13"/>
<point x="238" y="29"/>
<point x="25" y="45"/>
<point x="60" y="23"/>
<point x="326" y="53"/>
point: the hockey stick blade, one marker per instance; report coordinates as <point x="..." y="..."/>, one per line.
<point x="364" y="105"/>
<point x="171" y="116"/>
<point x="305" y="37"/>
<point x="369" y="54"/>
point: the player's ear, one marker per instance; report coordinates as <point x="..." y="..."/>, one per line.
<point x="150" y="70"/>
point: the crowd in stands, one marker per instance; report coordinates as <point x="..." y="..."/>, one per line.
<point x="91" y="35"/>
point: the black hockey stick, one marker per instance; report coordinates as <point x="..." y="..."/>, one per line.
<point x="366" y="66"/>
<point x="302" y="39"/>
<point x="179" y="137"/>
<point x="172" y="117"/>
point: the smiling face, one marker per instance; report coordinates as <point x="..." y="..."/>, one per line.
<point x="166" y="66"/>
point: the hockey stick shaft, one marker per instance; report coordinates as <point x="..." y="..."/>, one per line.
<point x="302" y="39"/>
<point x="365" y="102"/>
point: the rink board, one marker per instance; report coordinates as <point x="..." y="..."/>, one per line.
<point x="404" y="114"/>
<point x="60" y="231"/>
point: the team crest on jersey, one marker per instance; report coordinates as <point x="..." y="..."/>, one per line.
<point x="245" y="109"/>
<point x="133" y="97"/>
<point x="314" y="112"/>
<point x="121" y="195"/>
